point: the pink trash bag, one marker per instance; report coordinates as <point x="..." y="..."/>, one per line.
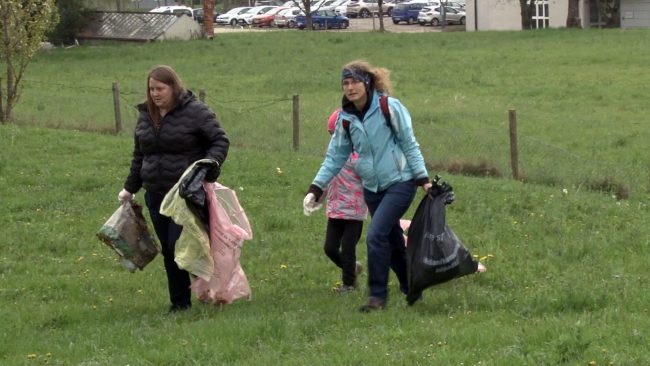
<point x="229" y="228"/>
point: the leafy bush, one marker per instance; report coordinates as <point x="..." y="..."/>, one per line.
<point x="73" y="17"/>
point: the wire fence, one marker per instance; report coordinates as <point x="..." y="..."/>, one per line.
<point x="273" y="123"/>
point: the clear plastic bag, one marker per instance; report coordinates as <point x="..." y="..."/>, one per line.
<point x="127" y="233"/>
<point x="229" y="227"/>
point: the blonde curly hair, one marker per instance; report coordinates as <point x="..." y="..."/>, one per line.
<point x="380" y="76"/>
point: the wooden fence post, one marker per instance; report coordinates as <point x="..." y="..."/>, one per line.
<point x="514" y="152"/>
<point x="296" y="122"/>
<point x="116" y="107"/>
<point x="202" y="95"/>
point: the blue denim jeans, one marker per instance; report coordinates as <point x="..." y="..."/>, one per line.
<point x="385" y="238"/>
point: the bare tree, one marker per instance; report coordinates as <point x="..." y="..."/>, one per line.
<point x="23" y="24"/>
<point x="208" y="18"/>
<point x="305" y="7"/>
<point x="573" y="16"/>
<point x="380" y="3"/>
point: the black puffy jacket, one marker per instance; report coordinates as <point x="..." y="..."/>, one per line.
<point x="187" y="133"/>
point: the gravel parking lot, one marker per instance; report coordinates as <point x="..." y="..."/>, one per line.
<point x="356" y="25"/>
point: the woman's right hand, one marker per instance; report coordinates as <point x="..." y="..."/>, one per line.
<point x="124" y="196"/>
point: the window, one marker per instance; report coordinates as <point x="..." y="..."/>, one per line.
<point x="540" y="15"/>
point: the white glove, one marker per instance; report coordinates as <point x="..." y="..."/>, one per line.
<point x="124" y="196"/>
<point x="309" y="204"/>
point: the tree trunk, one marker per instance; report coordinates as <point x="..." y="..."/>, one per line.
<point x="527" y="7"/>
<point x="208" y="18"/>
<point x="2" y="111"/>
<point x="380" y="3"/>
<point x="573" y="16"/>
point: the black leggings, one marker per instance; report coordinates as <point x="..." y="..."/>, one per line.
<point x="340" y="246"/>
<point x="178" y="280"/>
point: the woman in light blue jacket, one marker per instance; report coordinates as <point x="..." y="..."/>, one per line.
<point x="390" y="165"/>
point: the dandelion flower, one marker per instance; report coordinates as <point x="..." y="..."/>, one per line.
<point x="283" y="266"/>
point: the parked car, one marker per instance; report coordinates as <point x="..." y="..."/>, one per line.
<point x="178" y="10"/>
<point x="343" y="8"/>
<point x="246" y="18"/>
<point x="197" y="14"/>
<point x="431" y="15"/>
<point x="323" y="19"/>
<point x="407" y="12"/>
<point x="266" y="19"/>
<point x="287" y="18"/>
<point x="365" y="8"/>
<point x="268" y="2"/>
<point x="329" y="5"/>
<point x="230" y="17"/>
<point x="456" y="5"/>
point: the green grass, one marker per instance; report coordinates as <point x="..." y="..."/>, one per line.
<point x="566" y="283"/>
<point x="570" y="88"/>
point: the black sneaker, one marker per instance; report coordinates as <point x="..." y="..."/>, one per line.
<point x="175" y="308"/>
<point x="373" y="303"/>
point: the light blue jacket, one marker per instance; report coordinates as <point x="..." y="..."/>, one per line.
<point x="385" y="157"/>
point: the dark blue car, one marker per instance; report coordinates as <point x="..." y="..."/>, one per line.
<point x="323" y="19"/>
<point x="407" y="12"/>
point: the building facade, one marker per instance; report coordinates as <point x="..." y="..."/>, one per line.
<point x="506" y="14"/>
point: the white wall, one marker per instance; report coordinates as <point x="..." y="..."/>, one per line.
<point x="635" y="13"/>
<point x="506" y="14"/>
<point x="492" y="15"/>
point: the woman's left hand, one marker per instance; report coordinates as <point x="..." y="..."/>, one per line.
<point x="426" y="187"/>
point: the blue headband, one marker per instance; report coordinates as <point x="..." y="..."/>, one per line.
<point x="355" y="74"/>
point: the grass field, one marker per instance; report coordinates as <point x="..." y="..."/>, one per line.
<point x="566" y="281"/>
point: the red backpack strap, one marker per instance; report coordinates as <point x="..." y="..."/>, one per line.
<point x="346" y="127"/>
<point x="383" y="104"/>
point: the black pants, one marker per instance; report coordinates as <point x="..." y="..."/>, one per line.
<point x="178" y="280"/>
<point x="341" y="241"/>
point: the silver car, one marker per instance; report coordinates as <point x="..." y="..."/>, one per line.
<point x="431" y="15"/>
<point x="366" y="8"/>
<point x="287" y="18"/>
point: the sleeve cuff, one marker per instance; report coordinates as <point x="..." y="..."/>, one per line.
<point x="422" y="181"/>
<point x="316" y="191"/>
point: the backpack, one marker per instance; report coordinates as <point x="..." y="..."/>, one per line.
<point x="383" y="105"/>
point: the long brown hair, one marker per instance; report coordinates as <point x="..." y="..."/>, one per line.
<point x="168" y="76"/>
<point x="380" y="76"/>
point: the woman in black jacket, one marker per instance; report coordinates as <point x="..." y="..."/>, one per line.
<point x="174" y="129"/>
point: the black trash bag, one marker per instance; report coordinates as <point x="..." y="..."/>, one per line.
<point x="191" y="188"/>
<point x="434" y="252"/>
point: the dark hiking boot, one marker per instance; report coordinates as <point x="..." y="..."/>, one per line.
<point x="373" y="303"/>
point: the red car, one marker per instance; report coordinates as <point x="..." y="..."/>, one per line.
<point x="266" y="19"/>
